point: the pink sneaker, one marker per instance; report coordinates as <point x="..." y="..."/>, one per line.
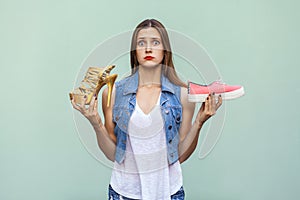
<point x="198" y="93"/>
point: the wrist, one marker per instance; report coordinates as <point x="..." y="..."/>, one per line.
<point x="199" y="123"/>
<point x="96" y="122"/>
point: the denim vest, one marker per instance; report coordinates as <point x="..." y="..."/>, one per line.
<point x="124" y="106"/>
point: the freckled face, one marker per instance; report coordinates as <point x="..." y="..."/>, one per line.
<point x="149" y="47"/>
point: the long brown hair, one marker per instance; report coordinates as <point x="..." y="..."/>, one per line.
<point x="167" y="63"/>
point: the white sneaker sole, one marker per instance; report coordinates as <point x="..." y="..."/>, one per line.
<point x="225" y="96"/>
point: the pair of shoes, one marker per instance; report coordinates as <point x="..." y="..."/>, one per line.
<point x="199" y="93"/>
<point x="95" y="78"/>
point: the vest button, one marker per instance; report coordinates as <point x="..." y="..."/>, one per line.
<point x="170" y="127"/>
<point x="167" y="112"/>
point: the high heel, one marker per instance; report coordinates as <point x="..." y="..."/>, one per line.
<point x="94" y="80"/>
<point x="110" y="83"/>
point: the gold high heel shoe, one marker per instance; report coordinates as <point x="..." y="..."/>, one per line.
<point x="94" y="80"/>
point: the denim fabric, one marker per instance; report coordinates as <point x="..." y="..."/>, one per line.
<point x="171" y="109"/>
<point x="113" y="195"/>
<point x="179" y="195"/>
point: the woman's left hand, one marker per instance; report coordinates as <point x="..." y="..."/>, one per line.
<point x="208" y="108"/>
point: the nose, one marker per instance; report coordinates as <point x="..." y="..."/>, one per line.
<point x="148" y="50"/>
<point x="148" y="47"/>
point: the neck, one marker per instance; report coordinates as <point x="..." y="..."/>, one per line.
<point x="149" y="76"/>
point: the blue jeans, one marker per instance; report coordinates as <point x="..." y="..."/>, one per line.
<point x="113" y="195"/>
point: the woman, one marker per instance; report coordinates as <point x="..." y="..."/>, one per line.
<point x="148" y="128"/>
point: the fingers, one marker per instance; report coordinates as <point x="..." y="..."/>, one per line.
<point x="220" y="101"/>
<point x="96" y="104"/>
<point x="209" y="107"/>
<point x="89" y="111"/>
<point x="209" y="103"/>
<point x="82" y="104"/>
<point x="212" y="105"/>
<point x="93" y="109"/>
<point x="75" y="106"/>
<point x="92" y="104"/>
<point x="202" y="108"/>
<point x="80" y="107"/>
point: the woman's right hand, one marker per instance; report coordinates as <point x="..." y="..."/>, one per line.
<point x="90" y="112"/>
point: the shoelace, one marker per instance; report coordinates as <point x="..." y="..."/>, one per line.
<point x="90" y="81"/>
<point x="92" y="78"/>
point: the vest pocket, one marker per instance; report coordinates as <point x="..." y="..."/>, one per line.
<point x="177" y="115"/>
<point x="121" y="117"/>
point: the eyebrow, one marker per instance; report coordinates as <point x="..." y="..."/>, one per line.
<point x="150" y="38"/>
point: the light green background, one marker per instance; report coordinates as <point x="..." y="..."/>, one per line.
<point x="253" y="43"/>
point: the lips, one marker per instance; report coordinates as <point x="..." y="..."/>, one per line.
<point x="148" y="58"/>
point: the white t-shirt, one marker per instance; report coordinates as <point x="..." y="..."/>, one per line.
<point x="145" y="172"/>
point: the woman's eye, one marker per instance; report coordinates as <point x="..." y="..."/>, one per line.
<point x="141" y="43"/>
<point x="156" y="42"/>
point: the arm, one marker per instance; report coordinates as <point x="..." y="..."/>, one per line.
<point x="108" y="114"/>
<point x="189" y="133"/>
<point x="103" y="132"/>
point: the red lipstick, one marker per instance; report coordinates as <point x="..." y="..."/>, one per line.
<point x="148" y="58"/>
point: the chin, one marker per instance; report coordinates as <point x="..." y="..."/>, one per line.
<point x="150" y="65"/>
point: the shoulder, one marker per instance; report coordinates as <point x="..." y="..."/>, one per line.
<point x="125" y="80"/>
<point x="122" y="81"/>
